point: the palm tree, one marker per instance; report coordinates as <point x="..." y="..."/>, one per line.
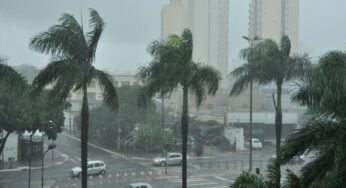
<point x="323" y="90"/>
<point x="172" y="67"/>
<point x="71" y="68"/>
<point x="277" y="66"/>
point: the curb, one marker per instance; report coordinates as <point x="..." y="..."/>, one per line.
<point x="34" y="168"/>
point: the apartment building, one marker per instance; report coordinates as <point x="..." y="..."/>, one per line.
<point x="208" y="21"/>
<point x="275" y="18"/>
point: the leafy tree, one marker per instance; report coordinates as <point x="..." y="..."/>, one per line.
<point x="323" y="90"/>
<point x="172" y="67"/>
<point x="19" y="113"/>
<point x="10" y="77"/>
<point x="71" y="68"/>
<point x="15" y="82"/>
<point x="104" y="124"/>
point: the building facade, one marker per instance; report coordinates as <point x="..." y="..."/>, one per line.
<point x="208" y="21"/>
<point x="275" y="18"/>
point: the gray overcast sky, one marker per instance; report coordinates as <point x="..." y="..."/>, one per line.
<point x="132" y="24"/>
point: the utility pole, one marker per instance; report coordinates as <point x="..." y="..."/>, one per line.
<point x="29" y="184"/>
<point x="251" y="40"/>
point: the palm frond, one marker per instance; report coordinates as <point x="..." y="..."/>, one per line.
<point x="285" y="46"/>
<point x="109" y="92"/>
<point x="240" y="71"/>
<point x="316" y="133"/>
<point x="52" y="72"/>
<point x="318" y="168"/>
<point x="292" y="180"/>
<point x="273" y="176"/>
<point x="97" y="25"/>
<point x="187" y="45"/>
<point x="65" y="39"/>
<point x="240" y="85"/>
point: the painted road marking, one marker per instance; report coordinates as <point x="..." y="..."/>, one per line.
<point x="221" y="178"/>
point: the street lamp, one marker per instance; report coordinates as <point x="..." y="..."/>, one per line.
<point x="50" y="147"/>
<point x="251" y="40"/>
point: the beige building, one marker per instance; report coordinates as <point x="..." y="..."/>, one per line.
<point x="208" y="21"/>
<point x="273" y="18"/>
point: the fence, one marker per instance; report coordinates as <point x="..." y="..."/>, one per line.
<point x="225" y="166"/>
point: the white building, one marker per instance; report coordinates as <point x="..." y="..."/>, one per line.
<point x="208" y="21"/>
<point x="273" y="18"/>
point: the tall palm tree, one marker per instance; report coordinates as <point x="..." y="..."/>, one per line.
<point x="172" y="67"/>
<point x="323" y="90"/>
<point x="270" y="62"/>
<point x="71" y="68"/>
<point x="277" y="66"/>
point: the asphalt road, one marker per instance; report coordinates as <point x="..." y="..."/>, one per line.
<point x="71" y="147"/>
<point x="122" y="170"/>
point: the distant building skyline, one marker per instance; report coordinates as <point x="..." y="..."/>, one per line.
<point x="208" y="20"/>
<point x="275" y="18"/>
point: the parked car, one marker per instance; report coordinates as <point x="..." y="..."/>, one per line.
<point x="172" y="159"/>
<point x="256" y="143"/>
<point x="94" y="167"/>
<point x="139" y="185"/>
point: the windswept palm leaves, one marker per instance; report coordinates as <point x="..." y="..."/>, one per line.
<point x="71" y="68"/>
<point x="323" y="90"/>
<point x="271" y="63"/>
<point x="172" y="67"/>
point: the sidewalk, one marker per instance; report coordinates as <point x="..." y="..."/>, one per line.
<point x="58" y="159"/>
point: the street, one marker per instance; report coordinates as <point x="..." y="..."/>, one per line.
<point x="207" y="171"/>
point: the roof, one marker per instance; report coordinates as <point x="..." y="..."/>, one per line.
<point x="95" y="161"/>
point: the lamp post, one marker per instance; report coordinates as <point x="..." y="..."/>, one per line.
<point x="50" y="147"/>
<point x="30" y="140"/>
<point x="251" y="41"/>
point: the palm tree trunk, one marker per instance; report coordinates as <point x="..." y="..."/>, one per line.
<point x="3" y="142"/>
<point x="84" y="137"/>
<point x="278" y="128"/>
<point x="184" y="133"/>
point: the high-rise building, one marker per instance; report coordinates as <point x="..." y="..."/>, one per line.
<point x="275" y="18"/>
<point x="208" y="22"/>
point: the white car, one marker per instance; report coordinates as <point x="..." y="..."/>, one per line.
<point x="139" y="185"/>
<point x="94" y="167"/>
<point x="256" y="143"/>
<point x="172" y="159"/>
